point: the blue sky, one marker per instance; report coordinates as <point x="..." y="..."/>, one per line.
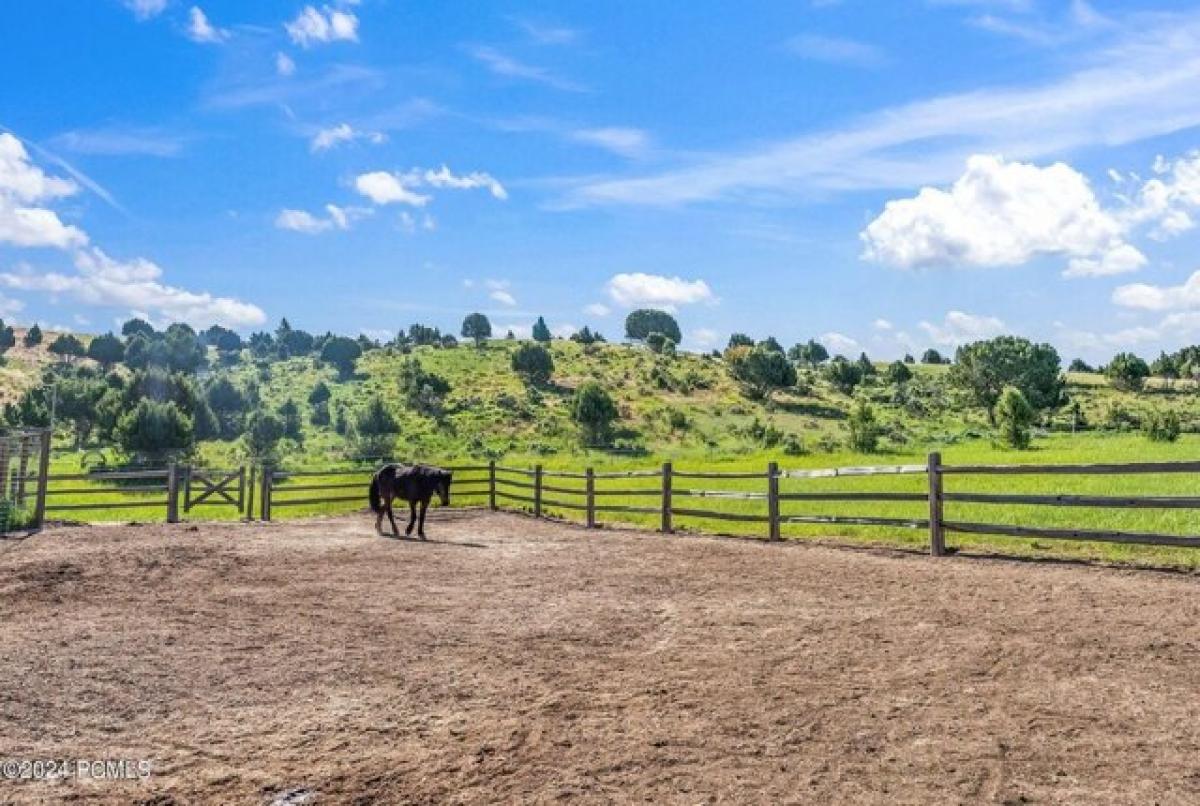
<point x="882" y="176"/>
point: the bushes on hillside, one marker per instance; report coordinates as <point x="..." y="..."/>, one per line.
<point x="594" y="411"/>
<point x="155" y="431"/>
<point x="1127" y="372"/>
<point x="760" y="370"/>
<point x="1014" y="418"/>
<point x="864" y="427"/>
<point x="641" y="323"/>
<point x="1162" y="426"/>
<point x="985" y="368"/>
<point x="533" y="362"/>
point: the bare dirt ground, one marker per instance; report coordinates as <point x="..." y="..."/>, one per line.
<point x="515" y="660"/>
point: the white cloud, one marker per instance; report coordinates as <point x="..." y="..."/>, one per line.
<point x="444" y="178"/>
<point x="835" y="50"/>
<point x="145" y="9"/>
<point x="1140" y="86"/>
<point x="1166" y="201"/>
<point x="620" y="140"/>
<point x="838" y="342"/>
<point x="637" y="288"/>
<point x="504" y="65"/>
<point x="1160" y="298"/>
<point x="959" y="328"/>
<point x="201" y="30"/>
<point x="9" y="306"/>
<point x="503" y="297"/>
<point x="882" y="324"/>
<point x="135" y="286"/>
<point x="325" y="139"/>
<point x="326" y="25"/>
<point x="382" y="187"/>
<point x="1002" y="213"/>
<point x="597" y="309"/>
<point x="23" y="186"/>
<point x="285" y="65"/>
<point x="337" y="218"/>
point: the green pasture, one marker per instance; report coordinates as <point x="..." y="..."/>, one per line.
<point x="644" y="491"/>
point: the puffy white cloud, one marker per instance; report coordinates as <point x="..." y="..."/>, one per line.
<point x="1002" y="213"/>
<point x="325" y="139"/>
<point x="1160" y="298"/>
<point x="135" y="286"/>
<point x="314" y="26"/>
<point x="23" y="186"/>
<point x="638" y="288"/>
<point x="597" y="309"/>
<point x="337" y="218"/>
<point x="1166" y="201"/>
<point x="959" y="328"/>
<point x="620" y="140"/>
<point x="882" y="324"/>
<point x="285" y="65"/>
<point x="201" y="30"/>
<point x="382" y="187"/>
<point x="145" y="9"/>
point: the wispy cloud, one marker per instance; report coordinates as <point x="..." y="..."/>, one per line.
<point x="547" y="34"/>
<point x="836" y="50"/>
<point x="503" y="65"/>
<point x="621" y="140"/>
<point x="145" y="9"/>
<point x="122" y="141"/>
<point x="201" y="30"/>
<point x="1140" y="87"/>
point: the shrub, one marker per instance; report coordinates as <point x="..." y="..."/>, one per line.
<point x="1014" y="416"/>
<point x="985" y="368"/>
<point x="761" y="370"/>
<point x="533" y="362"/>
<point x="594" y="411"/>
<point x="1162" y="426"/>
<point x="155" y="430"/>
<point x="541" y="333"/>
<point x="33" y="337"/>
<point x="374" y="431"/>
<point x="261" y="438"/>
<point x="843" y="375"/>
<point x="898" y="373"/>
<point x="864" y="427"/>
<point x="341" y="352"/>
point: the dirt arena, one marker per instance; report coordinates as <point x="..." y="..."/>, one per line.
<point x="522" y="661"/>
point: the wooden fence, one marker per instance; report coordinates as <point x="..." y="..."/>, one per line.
<point x="663" y="494"/>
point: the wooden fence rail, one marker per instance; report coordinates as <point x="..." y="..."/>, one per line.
<point x="595" y="493"/>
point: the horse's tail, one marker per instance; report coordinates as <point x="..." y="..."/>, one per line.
<point x="373" y="495"/>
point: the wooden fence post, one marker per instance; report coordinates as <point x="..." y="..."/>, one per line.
<point x="264" y="509"/>
<point x="773" y="500"/>
<point x="537" y="491"/>
<point x="591" y="498"/>
<point x="172" y="493"/>
<point x="937" y="538"/>
<point x="39" y="512"/>
<point x="250" y="487"/>
<point x="492" y="485"/>
<point x="667" y="478"/>
<point x="22" y="470"/>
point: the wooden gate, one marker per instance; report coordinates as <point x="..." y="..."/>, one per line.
<point x="220" y="487"/>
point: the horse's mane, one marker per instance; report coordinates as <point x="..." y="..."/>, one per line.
<point x="422" y="471"/>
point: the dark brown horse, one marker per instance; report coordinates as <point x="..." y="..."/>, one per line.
<point x="416" y="484"/>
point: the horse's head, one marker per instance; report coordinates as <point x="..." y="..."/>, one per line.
<point x="443" y="487"/>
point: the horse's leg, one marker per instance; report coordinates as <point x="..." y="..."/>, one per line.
<point x="412" y="516"/>
<point x="392" y="516"/>
<point x="379" y="516"/>
<point x="421" y="528"/>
